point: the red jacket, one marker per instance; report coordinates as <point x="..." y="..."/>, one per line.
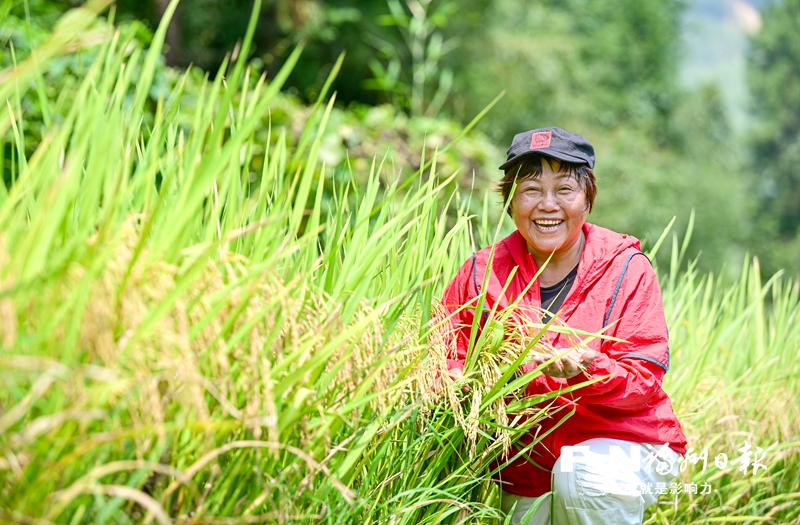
<point x="615" y="282"/>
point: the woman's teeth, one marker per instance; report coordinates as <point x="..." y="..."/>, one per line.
<point x="548" y="224"/>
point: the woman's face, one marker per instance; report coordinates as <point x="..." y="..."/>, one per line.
<point x="549" y="212"/>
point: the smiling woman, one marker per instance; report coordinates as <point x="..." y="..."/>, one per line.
<point x="549" y="208"/>
<point x="593" y="278"/>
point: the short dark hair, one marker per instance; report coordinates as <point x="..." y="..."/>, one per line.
<point x="530" y="167"/>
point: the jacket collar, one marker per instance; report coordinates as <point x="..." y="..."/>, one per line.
<point x="602" y="247"/>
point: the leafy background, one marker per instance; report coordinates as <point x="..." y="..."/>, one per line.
<point x="688" y="103"/>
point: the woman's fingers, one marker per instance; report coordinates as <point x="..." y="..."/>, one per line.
<point x="553" y="369"/>
<point x="588" y="356"/>
<point x="560" y="365"/>
<point x="540" y="361"/>
<point x="455" y="374"/>
<point x="571" y="367"/>
<point x="566" y="366"/>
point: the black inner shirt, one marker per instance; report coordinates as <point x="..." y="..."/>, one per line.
<point x="553" y="296"/>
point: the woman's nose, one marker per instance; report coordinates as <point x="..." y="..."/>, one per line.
<point x="548" y="201"/>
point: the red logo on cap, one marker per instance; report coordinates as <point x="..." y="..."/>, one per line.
<point x="541" y="139"/>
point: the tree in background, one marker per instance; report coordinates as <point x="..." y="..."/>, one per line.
<point x="597" y="63"/>
<point x="413" y="76"/>
<point x="609" y="70"/>
<point x="605" y="69"/>
<point x="775" y="80"/>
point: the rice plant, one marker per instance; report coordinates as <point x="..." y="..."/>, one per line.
<point x="189" y="336"/>
<point x="182" y="343"/>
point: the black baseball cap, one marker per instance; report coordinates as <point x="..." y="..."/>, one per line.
<point x="552" y="142"/>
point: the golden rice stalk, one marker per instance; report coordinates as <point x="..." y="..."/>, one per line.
<point x="512" y="331"/>
<point x="179" y="367"/>
<point x="433" y="378"/>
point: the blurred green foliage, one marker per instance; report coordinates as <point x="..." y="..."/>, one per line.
<point x="359" y="138"/>
<point x="26" y="25"/>
<point x="607" y="70"/>
<point x="775" y="143"/>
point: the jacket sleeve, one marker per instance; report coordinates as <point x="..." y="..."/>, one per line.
<point x="635" y="368"/>
<point x="457" y="293"/>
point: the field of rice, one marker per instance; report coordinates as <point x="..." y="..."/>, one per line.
<point x="194" y="330"/>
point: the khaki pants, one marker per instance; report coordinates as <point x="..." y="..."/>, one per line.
<point x="600" y="482"/>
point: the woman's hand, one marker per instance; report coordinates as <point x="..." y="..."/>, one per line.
<point x="456" y="375"/>
<point x="566" y="366"/>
